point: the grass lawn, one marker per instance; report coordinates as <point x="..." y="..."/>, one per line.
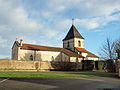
<point x="20" y="74"/>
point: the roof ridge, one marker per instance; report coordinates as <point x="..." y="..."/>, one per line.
<point x="43" y="46"/>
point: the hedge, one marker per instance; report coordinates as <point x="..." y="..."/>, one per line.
<point x="99" y="65"/>
<point x="64" y="66"/>
<point x="88" y="65"/>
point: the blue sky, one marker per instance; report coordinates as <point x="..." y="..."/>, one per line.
<point x="46" y="22"/>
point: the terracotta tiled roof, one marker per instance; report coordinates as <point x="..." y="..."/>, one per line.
<point x="70" y="53"/>
<point x="46" y="48"/>
<point x="89" y="53"/>
<point x="38" y="47"/>
<point x="73" y="32"/>
<point x="81" y="50"/>
<point x="92" y="55"/>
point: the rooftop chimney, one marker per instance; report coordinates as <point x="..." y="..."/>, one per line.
<point x="21" y="42"/>
<point x="16" y="39"/>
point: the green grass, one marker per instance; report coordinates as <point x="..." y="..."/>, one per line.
<point x="17" y="74"/>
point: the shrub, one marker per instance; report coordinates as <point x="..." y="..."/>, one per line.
<point x="110" y="65"/>
<point x="99" y="65"/>
<point x="88" y="64"/>
<point x="64" y="66"/>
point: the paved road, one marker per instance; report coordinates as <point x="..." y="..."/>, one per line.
<point x="89" y="83"/>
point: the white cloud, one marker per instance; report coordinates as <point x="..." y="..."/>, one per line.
<point x="91" y="14"/>
<point x="33" y="21"/>
<point x="83" y="8"/>
<point x="88" y="23"/>
<point x="92" y="23"/>
<point x="16" y="18"/>
<point x="14" y="22"/>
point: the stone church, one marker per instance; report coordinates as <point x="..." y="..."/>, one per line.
<point x="73" y="50"/>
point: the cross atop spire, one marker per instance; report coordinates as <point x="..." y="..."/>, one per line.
<point x="72" y="21"/>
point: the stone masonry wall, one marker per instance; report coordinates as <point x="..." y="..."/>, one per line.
<point x="24" y="65"/>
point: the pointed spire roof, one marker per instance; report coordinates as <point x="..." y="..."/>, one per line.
<point x="73" y="32"/>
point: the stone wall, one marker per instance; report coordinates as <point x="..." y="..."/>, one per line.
<point x="71" y="44"/>
<point x="24" y="65"/>
<point x="27" y="65"/>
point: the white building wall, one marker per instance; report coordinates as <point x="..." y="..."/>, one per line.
<point x="25" y="54"/>
<point x="65" y="57"/>
<point x="84" y="54"/>
<point x="80" y="59"/>
<point x="76" y="42"/>
<point x="73" y="43"/>
<point x="91" y="58"/>
<point x="43" y="55"/>
<point x="75" y="59"/>
<point x="48" y="56"/>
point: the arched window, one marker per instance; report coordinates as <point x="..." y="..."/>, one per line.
<point x="79" y="44"/>
<point x="31" y="57"/>
<point x="68" y="44"/>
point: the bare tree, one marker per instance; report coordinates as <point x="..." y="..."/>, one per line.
<point x="107" y="51"/>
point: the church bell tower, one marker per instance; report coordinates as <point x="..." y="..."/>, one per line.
<point x="73" y="39"/>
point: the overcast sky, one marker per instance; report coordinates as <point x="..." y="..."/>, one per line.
<point x="46" y="22"/>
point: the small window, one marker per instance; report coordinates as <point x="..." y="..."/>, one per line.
<point x="68" y="44"/>
<point x="79" y="44"/>
<point x="31" y="57"/>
